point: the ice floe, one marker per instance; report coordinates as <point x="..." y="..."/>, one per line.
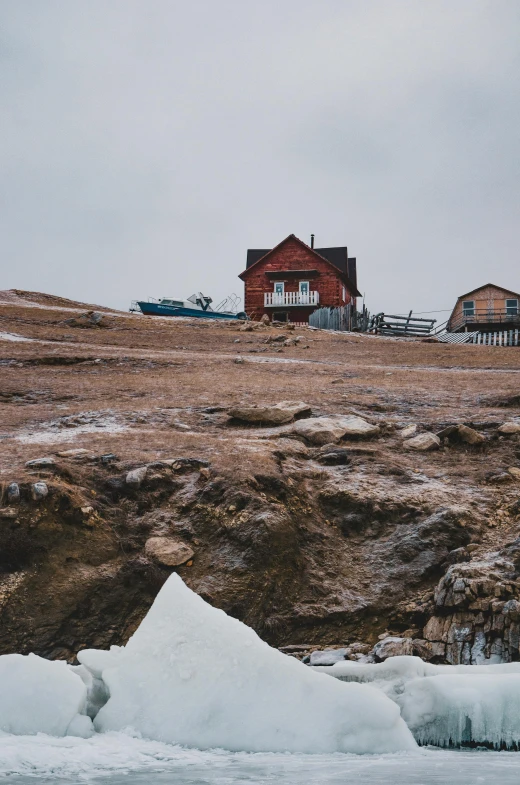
<point x="447" y="705"/>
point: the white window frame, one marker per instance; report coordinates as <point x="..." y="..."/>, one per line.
<point x="511" y="306"/>
<point x="277" y="289"/>
<point x="470" y="310"/>
<point x="300" y="283"/>
<point x="344" y="294"/>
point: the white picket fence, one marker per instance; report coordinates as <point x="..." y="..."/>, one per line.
<point x="502" y="338"/>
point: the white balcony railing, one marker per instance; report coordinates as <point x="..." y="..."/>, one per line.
<point x="290" y="298"/>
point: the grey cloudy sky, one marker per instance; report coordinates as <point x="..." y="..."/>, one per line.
<point x="146" y="144"/>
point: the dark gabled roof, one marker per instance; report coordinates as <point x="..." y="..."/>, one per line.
<point x="494" y="285"/>
<point x="337" y="256"/>
<point x="254" y="255"/>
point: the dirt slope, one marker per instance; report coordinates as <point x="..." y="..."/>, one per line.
<point x="307" y="548"/>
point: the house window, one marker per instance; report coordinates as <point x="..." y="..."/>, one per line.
<point x="304" y="288"/>
<point x="468" y="308"/>
<point x="279" y="287"/>
<point x="512" y="307"/>
<point x="344" y="294"/>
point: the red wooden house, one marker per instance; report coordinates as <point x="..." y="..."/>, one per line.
<point x="290" y="281"/>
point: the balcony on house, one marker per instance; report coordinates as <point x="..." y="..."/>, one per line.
<point x="476" y="318"/>
<point x="276" y="299"/>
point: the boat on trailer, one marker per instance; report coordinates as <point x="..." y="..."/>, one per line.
<point x="198" y="306"/>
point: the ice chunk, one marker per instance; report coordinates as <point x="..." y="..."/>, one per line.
<point x="40" y="696"/>
<point x="447" y="705"/>
<point x="454" y="710"/>
<point x="192" y="675"/>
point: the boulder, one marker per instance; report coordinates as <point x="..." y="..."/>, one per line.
<point x="278" y="414"/>
<point x="510" y="427"/>
<point x="41" y="463"/>
<point x="514" y="472"/>
<point x="13" y="493"/>
<point x="392" y="647"/>
<point x="327" y="430"/>
<point x="135" y="477"/>
<point x="168" y="551"/>
<point x="424" y="442"/>
<point x="39" y="491"/>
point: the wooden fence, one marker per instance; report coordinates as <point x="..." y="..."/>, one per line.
<point x="344" y="319"/>
<point x="502" y="338"/>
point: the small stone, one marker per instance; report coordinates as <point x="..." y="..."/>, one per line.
<point x="13" y="493"/>
<point x="87" y="510"/>
<point x="136" y="476"/>
<point x="392" y="647"/>
<point x="238" y="360"/>
<point x="510" y="427"/>
<point x="514" y="471"/>
<point x="108" y="457"/>
<point x="8" y="512"/>
<point x="328" y="656"/>
<point x="327" y="430"/>
<point x="73" y="453"/>
<point x="205" y="472"/>
<point x="41" y="463"/>
<point x="408" y="432"/>
<point x="39" y="491"/>
<point x="470" y="435"/>
<point x="424" y="442"/>
<point x="168" y="551"/>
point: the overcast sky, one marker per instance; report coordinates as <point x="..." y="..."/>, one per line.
<point x="146" y="144"/>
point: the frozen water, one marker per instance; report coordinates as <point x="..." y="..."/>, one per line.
<point x="447" y="705"/>
<point x="119" y="759"/>
<point x="38" y="695"/>
<point x="13" y="337"/>
<point x="193" y="675"/>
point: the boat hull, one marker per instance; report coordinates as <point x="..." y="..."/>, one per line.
<point x="156" y="309"/>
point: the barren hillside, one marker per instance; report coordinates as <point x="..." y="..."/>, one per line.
<point x="312" y="540"/>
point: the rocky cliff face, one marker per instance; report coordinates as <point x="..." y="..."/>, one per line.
<point x="385" y="506"/>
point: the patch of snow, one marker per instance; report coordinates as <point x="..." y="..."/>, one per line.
<point x="66" y="429"/>
<point x="14" y="337"/>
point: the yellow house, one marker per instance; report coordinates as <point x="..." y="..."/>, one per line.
<point x="487" y="309"/>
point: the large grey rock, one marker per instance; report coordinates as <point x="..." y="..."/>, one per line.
<point x="423" y="443"/>
<point x="39" y="491"/>
<point x="41" y="463"/>
<point x="278" y="414"/>
<point x="135" y="477"/>
<point x="327" y="430"/>
<point x="13" y="493"/>
<point x="392" y="647"/>
<point x="510" y="427"/>
<point x="168" y="551"/>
